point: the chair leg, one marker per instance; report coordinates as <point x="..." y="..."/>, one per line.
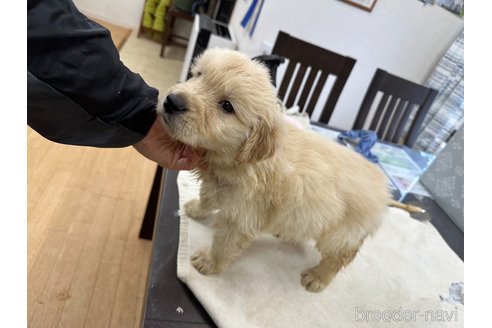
<point x="147" y="228"/>
<point x="167" y="31"/>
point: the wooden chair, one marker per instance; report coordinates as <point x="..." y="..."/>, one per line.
<point x="186" y="10"/>
<point x="172" y="14"/>
<point x="392" y="117"/>
<point x="322" y="62"/>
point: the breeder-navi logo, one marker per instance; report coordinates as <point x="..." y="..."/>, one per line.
<point x="399" y="314"/>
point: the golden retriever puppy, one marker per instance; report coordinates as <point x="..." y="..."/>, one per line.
<point x="263" y="174"/>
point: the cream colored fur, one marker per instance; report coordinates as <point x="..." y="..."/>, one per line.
<point x="264" y="175"/>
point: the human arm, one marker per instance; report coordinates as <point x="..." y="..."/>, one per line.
<point x="78" y="90"/>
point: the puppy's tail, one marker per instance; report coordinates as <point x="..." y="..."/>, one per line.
<point x="407" y="207"/>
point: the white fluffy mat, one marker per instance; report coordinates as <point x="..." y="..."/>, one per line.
<point x="397" y="280"/>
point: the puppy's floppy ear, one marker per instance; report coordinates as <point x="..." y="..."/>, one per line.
<point x="260" y="145"/>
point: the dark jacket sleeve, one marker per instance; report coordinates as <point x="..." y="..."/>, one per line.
<point x="78" y="90"/>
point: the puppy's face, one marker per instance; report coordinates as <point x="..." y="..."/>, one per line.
<point x="227" y="107"/>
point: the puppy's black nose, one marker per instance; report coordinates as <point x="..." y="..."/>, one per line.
<point x="174" y="103"/>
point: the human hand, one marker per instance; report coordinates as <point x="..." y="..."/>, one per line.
<point x="160" y="147"/>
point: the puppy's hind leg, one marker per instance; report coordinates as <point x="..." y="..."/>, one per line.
<point x="336" y="254"/>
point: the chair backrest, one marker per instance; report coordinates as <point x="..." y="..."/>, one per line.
<point x="392" y="117"/>
<point x="322" y="62"/>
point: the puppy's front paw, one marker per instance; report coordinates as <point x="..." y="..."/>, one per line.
<point x="311" y="281"/>
<point x="204" y="263"/>
<point x="192" y="209"/>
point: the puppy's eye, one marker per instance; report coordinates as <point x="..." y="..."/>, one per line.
<point x="226" y="106"/>
<point x="197" y="74"/>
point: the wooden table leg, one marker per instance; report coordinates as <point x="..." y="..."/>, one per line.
<point x="147" y="229"/>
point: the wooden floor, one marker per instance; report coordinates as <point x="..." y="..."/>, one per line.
<point x="86" y="265"/>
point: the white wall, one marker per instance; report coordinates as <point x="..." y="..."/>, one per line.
<point x="126" y="13"/>
<point x="401" y="36"/>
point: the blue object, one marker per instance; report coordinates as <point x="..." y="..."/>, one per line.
<point x="367" y="139"/>
<point x="252" y="16"/>
<point x="249" y="13"/>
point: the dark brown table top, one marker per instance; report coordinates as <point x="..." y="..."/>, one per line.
<point x="169" y="303"/>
